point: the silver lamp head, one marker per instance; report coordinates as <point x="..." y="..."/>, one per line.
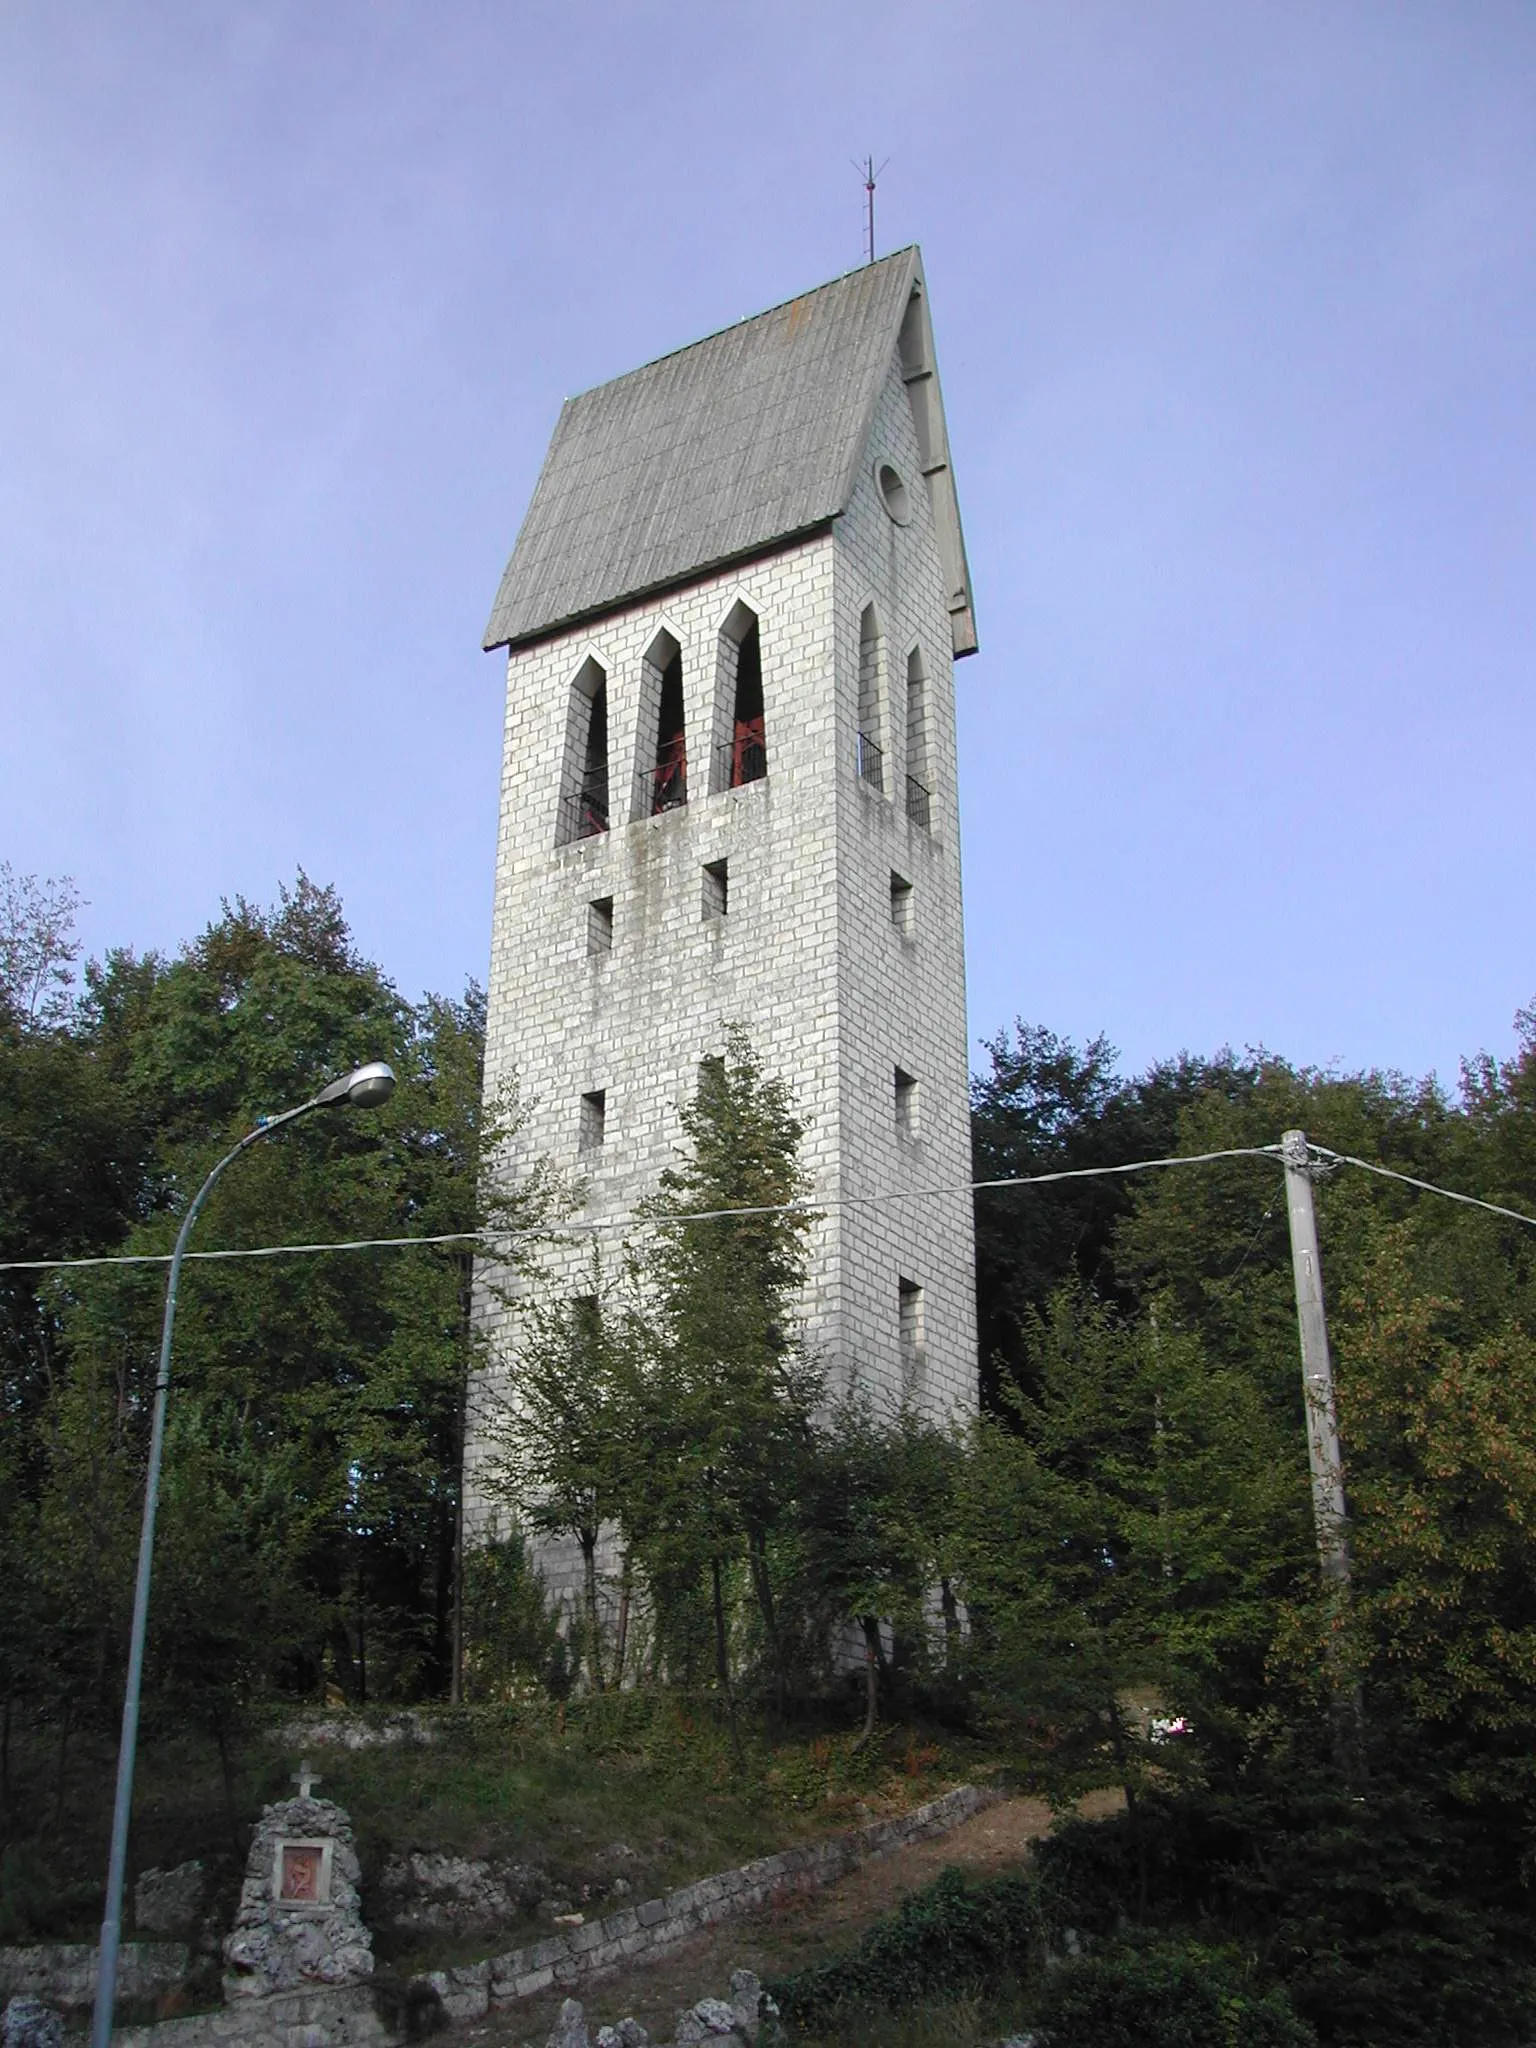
<point x="367" y="1087"/>
<point x="371" y="1087"/>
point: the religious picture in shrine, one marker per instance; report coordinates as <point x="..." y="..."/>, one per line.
<point x="302" y="1874"/>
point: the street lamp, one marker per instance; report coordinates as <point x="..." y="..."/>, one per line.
<point x="366" y="1087"/>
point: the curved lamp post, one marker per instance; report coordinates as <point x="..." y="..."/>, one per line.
<point x="364" y="1088"/>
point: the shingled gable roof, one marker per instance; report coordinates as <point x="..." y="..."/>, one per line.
<point x="722" y="450"/>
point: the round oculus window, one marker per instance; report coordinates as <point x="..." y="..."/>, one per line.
<point x="894" y="495"/>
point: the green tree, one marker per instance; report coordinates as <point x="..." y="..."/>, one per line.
<point x="673" y="1401"/>
<point x="334" y="1383"/>
<point x="876" y="1503"/>
<point x="728" y="1398"/>
<point x="38" y="948"/>
<point x="1127" y="1540"/>
<point x="566" y="1435"/>
<point x="74" y="1174"/>
<point x="1046" y="1105"/>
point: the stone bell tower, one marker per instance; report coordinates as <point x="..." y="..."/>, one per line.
<point x="728" y="795"/>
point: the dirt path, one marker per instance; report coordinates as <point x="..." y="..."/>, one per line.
<point x="791" y="1931"/>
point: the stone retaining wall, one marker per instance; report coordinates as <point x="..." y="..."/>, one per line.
<point x="63" y="1973"/>
<point x="602" y="1945"/>
<point x="343" y="2016"/>
<point x="358" y="2015"/>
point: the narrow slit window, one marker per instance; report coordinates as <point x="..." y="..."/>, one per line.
<point x="670" y="776"/>
<point x="919" y="779"/>
<point x="661" y="752"/>
<point x="906" y="1104"/>
<point x="600" y="925"/>
<point x="716" y="889"/>
<point x="871" y="734"/>
<point x="911" y="1335"/>
<point x="741" y="747"/>
<point x="583" y="808"/>
<point x="901" y="904"/>
<point x="594" y="1118"/>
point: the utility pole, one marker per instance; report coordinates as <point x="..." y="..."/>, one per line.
<point x="1330" y="1513"/>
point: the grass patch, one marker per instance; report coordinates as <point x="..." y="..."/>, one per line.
<point x="971" y="2022"/>
<point x="556" y="1786"/>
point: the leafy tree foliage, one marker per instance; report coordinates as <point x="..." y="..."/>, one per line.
<point x="1386" y="1909"/>
<point x="879" y="1513"/>
<point x="1115" y="1566"/>
<point x="309" y="1519"/>
<point x="674" y="1403"/>
<point x="38" y="948"/>
<point x="1127" y="1534"/>
<point x="565" y="1443"/>
<point x="1049" y="1106"/>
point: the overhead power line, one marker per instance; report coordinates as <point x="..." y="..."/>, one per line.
<point x="1429" y="1187"/>
<point x="807" y="1206"/>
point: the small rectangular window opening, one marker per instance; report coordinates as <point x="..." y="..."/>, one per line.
<point x="594" y="1115"/>
<point x="600" y="925"/>
<point x="716" y="889"/>
<point x="901" y="904"/>
<point x="913" y="1338"/>
<point x="906" y="1104"/>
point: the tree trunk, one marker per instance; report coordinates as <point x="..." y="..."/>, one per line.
<point x="872" y="1662"/>
<point x="226" y="1772"/>
<point x="461" y="1432"/>
<point x="589" y="1586"/>
<point x="621" y="1646"/>
<point x="722" y="1655"/>
<point x="762" y="1586"/>
<point x="951" y="1612"/>
<point x="1133" y="1815"/>
<point x="65" y="1722"/>
<point x="456" y="1620"/>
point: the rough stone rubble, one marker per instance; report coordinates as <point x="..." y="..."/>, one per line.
<point x="274" y="1947"/>
<point x="748" y="2019"/>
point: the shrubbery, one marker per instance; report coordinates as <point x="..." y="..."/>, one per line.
<point x="957" y="1937"/>
<point x="1164" y="1994"/>
<point x="1290" y="1912"/>
<point x="950" y="1938"/>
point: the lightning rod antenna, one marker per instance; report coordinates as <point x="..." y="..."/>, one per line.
<point x="869" y="174"/>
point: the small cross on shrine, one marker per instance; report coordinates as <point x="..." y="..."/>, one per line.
<point x="305" y="1778"/>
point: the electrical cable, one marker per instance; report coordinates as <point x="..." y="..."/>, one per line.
<point x="1428" y="1186"/>
<point x="807" y="1206"/>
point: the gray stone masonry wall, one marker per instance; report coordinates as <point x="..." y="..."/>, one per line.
<point x="602" y="1945"/>
<point x="807" y="956"/>
<point x="63" y="1973"/>
<point x="345" y="2016"/>
<point x="901" y="1000"/>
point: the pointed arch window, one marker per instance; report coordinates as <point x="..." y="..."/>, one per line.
<point x="919" y="775"/>
<point x="871" y="737"/>
<point x="661" y="762"/>
<point x="583" y="807"/>
<point x="741" y="746"/>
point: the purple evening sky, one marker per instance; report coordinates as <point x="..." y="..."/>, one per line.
<point x="1236" y="310"/>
